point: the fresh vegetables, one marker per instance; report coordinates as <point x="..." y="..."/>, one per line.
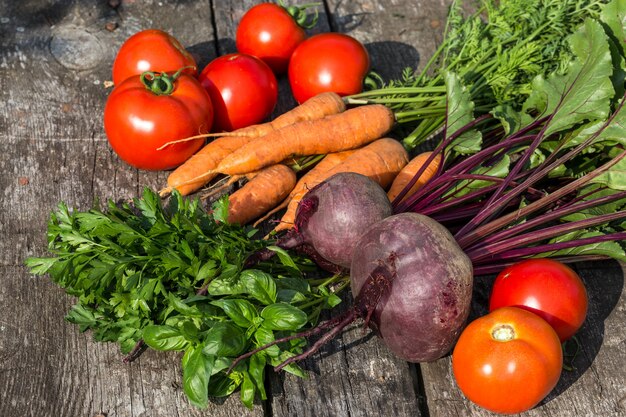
<point x="145" y="112"/>
<point x="328" y="62"/>
<point x="151" y="50"/>
<point x="271" y="32"/>
<point x="192" y="175"/>
<point x="507" y="361"/>
<point x="262" y="193"/>
<point x="548" y="288"/>
<point x="348" y="130"/>
<point x="243" y="89"/>
<point x="539" y="173"/>
<point x="169" y="278"/>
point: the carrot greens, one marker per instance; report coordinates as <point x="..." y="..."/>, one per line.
<point x="496" y="52"/>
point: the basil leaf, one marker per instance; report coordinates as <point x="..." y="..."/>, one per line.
<point x="264" y="336"/>
<point x="247" y="390"/>
<point x="283" y="316"/>
<point x="164" y="338"/>
<point x="224" y="339"/>
<point x="241" y="312"/>
<point x="222" y="385"/>
<point x="290" y="296"/>
<point x="256" y="369"/>
<point x="259" y="285"/>
<point x="197" y="369"/>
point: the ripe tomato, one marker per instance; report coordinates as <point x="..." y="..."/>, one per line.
<point x="151" y="50"/>
<point x="137" y="121"/>
<point x="243" y="90"/>
<point x="270" y="33"/>
<point x="547" y="288"/>
<point x="508" y="360"/>
<point x="328" y="62"/>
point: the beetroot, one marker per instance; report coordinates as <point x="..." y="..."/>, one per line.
<point x="334" y="214"/>
<point x="331" y="217"/>
<point x="421" y="314"/>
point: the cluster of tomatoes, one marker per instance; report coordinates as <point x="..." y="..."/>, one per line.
<point x="510" y="359"/>
<point x="160" y="98"/>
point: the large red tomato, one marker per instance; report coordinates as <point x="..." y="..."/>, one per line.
<point x="270" y="33"/>
<point x="328" y="62"/>
<point x="545" y="287"/>
<point x="151" y="50"/>
<point x="508" y="360"/>
<point x="243" y="90"/>
<point x="139" y="118"/>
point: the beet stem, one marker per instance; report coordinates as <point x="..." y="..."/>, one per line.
<point x="467" y="239"/>
<point x="494" y="205"/>
<point x="516" y="254"/>
<point x="397" y="202"/>
<point x="134" y="354"/>
<point x="347" y="319"/>
<point x="426" y="194"/>
<point x="495" y="268"/>
<point x="538" y="221"/>
<point x="313" y="331"/>
<point x="486" y="251"/>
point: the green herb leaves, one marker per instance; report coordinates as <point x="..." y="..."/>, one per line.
<point x="170" y="278"/>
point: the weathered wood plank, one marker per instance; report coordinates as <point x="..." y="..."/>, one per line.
<point x="54" y="59"/>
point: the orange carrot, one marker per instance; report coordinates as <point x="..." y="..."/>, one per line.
<point x="328" y="162"/>
<point x="268" y="188"/>
<point x="410" y="170"/>
<point x="381" y="160"/>
<point x="348" y="130"/>
<point x="192" y="175"/>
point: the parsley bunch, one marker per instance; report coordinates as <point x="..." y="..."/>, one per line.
<point x="170" y="277"/>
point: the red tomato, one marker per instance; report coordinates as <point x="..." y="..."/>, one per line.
<point x="547" y="288"/>
<point x="270" y="33"/>
<point x="328" y="62"/>
<point x="508" y="360"/>
<point x="243" y="90"/>
<point x="151" y="50"/>
<point x="137" y="121"/>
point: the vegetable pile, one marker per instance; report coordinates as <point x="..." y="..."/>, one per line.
<point x="527" y="175"/>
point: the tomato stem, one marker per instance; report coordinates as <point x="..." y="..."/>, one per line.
<point x="503" y="333"/>
<point x="299" y="14"/>
<point x="161" y="83"/>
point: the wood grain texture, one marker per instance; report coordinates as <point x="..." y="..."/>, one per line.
<point x="54" y="59"/>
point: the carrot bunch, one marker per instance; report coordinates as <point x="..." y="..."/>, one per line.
<point x="352" y="140"/>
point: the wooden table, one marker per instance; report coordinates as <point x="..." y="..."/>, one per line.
<point x="55" y="57"/>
